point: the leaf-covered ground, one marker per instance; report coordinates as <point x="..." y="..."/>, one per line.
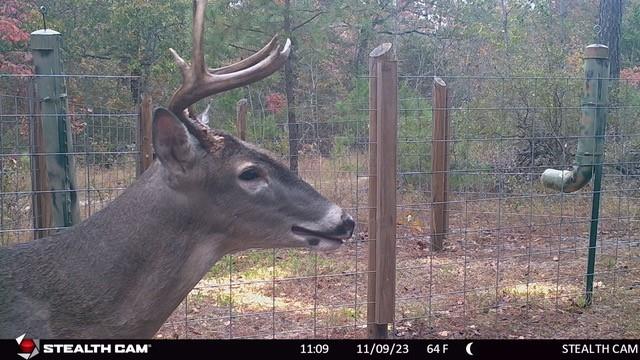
<point x="513" y="267"/>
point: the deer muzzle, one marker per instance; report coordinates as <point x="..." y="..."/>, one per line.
<point x="332" y="234"/>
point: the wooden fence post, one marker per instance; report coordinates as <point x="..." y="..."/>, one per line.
<point x="383" y="96"/>
<point x="54" y="170"/>
<point x="439" y="165"/>
<point x="375" y="331"/>
<point x="145" y="134"/>
<point x="241" y="118"/>
<point x="42" y="212"/>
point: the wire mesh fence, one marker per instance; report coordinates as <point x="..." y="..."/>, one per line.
<point x="515" y="256"/>
<point x="15" y="175"/>
<point x="104" y="132"/>
<point x="515" y="253"/>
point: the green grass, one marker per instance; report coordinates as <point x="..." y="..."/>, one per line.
<point x="580" y="302"/>
<point x="225" y="299"/>
<point x="341" y="316"/>
<point x="259" y="265"/>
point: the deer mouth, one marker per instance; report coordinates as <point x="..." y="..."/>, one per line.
<point x="314" y="238"/>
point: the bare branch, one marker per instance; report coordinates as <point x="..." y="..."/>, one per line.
<point x="244" y="29"/>
<point x="100" y="57"/>
<point x="406" y="32"/>
<point x="241" y="47"/>
<point x="307" y="21"/>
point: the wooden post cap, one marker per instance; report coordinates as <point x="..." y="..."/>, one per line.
<point x="596" y="51"/>
<point x="380" y="50"/>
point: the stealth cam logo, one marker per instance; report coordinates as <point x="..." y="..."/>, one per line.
<point x="28" y="347"/>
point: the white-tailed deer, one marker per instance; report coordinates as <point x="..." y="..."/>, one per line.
<point x="121" y="272"/>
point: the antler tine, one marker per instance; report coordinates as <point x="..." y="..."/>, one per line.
<point x="250" y="61"/>
<point x="198" y="82"/>
<point x="274" y="61"/>
<point x="197" y="52"/>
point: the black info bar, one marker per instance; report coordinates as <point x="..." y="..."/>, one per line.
<point x="318" y="348"/>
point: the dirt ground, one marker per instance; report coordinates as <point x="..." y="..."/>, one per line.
<point x="513" y="266"/>
<point x="537" y="297"/>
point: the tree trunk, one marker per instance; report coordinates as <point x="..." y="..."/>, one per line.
<point x="362" y="45"/>
<point x="563" y="12"/>
<point x="610" y="32"/>
<point x="289" y="85"/>
<point x="505" y="26"/>
<point x="135" y="85"/>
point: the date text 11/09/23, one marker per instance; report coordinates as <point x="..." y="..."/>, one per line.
<point x="374" y="348"/>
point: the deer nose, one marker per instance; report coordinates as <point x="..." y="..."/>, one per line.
<point x="347" y="225"/>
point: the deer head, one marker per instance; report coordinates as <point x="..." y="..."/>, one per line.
<point x="239" y="188"/>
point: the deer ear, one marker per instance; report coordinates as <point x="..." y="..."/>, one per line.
<point x="171" y="142"/>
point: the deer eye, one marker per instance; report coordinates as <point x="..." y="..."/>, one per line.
<point x="249" y="174"/>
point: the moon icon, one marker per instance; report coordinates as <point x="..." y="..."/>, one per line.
<point x="469" y="348"/>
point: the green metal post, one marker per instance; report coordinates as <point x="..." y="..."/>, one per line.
<point x="56" y="134"/>
<point x="595" y="103"/>
<point x="590" y="145"/>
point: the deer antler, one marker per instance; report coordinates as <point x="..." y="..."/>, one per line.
<point x="198" y="82"/>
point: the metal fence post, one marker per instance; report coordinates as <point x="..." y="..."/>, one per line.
<point x="383" y="139"/>
<point x="595" y="104"/>
<point x="439" y="165"/>
<point x="58" y="176"/>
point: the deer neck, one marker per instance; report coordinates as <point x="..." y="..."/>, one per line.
<point x="145" y="252"/>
